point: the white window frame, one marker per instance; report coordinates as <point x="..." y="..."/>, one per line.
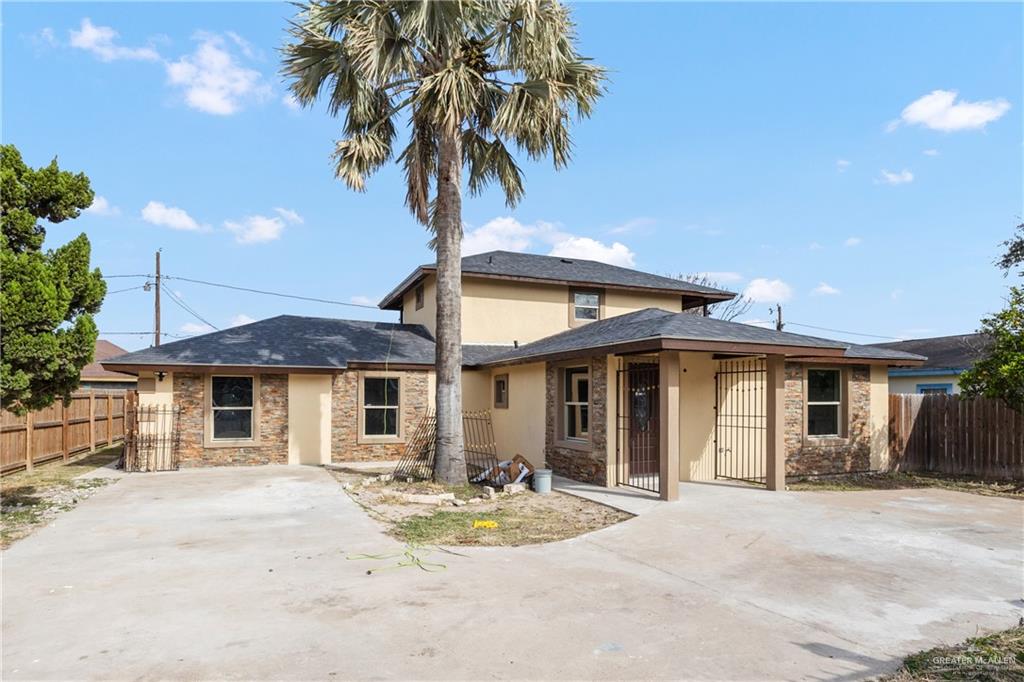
<point x="210" y="440"/>
<point x="399" y="436"/>
<point x="575" y="404"/>
<point x="837" y="403"/>
<point x="576" y="306"/>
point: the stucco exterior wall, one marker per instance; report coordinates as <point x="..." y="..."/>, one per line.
<point x="476" y="390"/>
<point x="910" y="384"/>
<point x="345" y="440"/>
<point x="272" y="444"/>
<point x="153" y="391"/>
<point x="622" y="302"/>
<point x="309" y="418"/>
<point x="584" y="460"/>
<point x="879" y="419"/>
<point x="520" y="428"/>
<point x="427" y="315"/>
<point x="696" y="417"/>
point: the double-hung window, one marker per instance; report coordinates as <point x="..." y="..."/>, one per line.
<point x="232" y="407"/>
<point x="381" y="402"/>
<point x="576" y="403"/>
<point x="824" y="402"/>
<point x="586" y="306"/>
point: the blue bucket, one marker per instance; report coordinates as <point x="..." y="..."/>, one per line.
<point x="542" y="481"/>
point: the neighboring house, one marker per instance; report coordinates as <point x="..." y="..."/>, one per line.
<point x="591" y="368"/>
<point x="948" y="357"/>
<point x="95" y="377"/>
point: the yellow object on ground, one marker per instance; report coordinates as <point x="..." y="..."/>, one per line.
<point x="485" y="524"/>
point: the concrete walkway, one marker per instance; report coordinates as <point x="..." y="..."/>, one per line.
<point x="250" y="574"/>
<point x="629" y="500"/>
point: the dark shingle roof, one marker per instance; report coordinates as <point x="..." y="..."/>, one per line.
<point x="944" y="352"/>
<point x="94" y="370"/>
<point x="653" y="324"/>
<point x="291" y="341"/>
<point x="557" y="269"/>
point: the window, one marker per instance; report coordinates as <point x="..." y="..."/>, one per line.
<point x="824" y="401"/>
<point x="419" y="297"/>
<point x="380" y="406"/>
<point x="576" y="386"/>
<point x="935" y="389"/>
<point x="586" y="306"/>
<point x="501" y="391"/>
<point x="231" y="407"/>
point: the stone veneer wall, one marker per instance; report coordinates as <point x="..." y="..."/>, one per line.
<point x="588" y="464"/>
<point x="805" y="457"/>
<point x="273" y="424"/>
<point x="345" y="443"/>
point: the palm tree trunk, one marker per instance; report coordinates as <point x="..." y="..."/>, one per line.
<point x="449" y="457"/>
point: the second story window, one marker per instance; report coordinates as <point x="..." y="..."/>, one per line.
<point x="419" y="297"/>
<point x="586" y="306"/>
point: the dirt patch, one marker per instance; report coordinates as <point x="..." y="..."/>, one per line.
<point x="29" y="500"/>
<point x="900" y="481"/>
<point x="999" y="656"/>
<point x="506" y="520"/>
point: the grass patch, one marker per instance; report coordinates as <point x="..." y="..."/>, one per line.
<point x="30" y="499"/>
<point x="525" y="519"/>
<point x="995" y="657"/>
<point x="900" y="481"/>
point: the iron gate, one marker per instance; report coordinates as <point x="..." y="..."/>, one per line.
<point x="637" y="445"/>
<point x="741" y="419"/>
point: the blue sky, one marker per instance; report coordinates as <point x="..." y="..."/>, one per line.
<point x="860" y="163"/>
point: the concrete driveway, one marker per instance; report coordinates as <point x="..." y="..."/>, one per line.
<point x="242" y="574"/>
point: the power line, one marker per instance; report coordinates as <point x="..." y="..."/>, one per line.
<point x="184" y="306"/>
<point x="149" y="333"/>
<point x="118" y="291"/>
<point x="843" y="331"/>
<point x="116" y="276"/>
<point x="272" y="293"/>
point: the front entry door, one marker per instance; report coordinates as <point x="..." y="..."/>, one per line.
<point x="642" y="405"/>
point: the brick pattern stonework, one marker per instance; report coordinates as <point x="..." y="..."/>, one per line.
<point x="345" y="445"/>
<point x="189" y="395"/>
<point x="807" y="457"/>
<point x="589" y="464"/>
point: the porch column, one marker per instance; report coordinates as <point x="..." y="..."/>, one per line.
<point x="775" y="404"/>
<point x="668" y="425"/>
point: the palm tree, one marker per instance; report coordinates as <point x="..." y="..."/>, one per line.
<point x="468" y="77"/>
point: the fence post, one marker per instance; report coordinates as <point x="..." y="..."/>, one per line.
<point x="28" y="441"/>
<point x="65" y="445"/>
<point x="110" y="420"/>
<point x="92" y="421"/>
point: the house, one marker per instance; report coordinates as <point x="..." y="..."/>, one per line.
<point x="610" y="375"/>
<point x="948" y="357"/>
<point x="95" y="377"/>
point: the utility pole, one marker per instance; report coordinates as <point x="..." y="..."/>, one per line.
<point x="156" y="304"/>
<point x="778" y="312"/>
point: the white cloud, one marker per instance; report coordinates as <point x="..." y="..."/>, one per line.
<point x="290" y="102"/>
<point x="896" y="294"/>
<point x="101" y="42"/>
<point x="824" y="289"/>
<point x="44" y="37"/>
<point x="931" y="152"/>
<point x="508" y="234"/>
<point x="255" y="229"/>
<point x="763" y="290"/>
<point x="632" y="225"/>
<point x="720" y="277"/>
<point x="362" y="300"/>
<point x="842" y="165"/>
<point x="195" y="328"/>
<point x="852" y="241"/>
<point x="815" y="246"/>
<point x="101" y="207"/>
<point x="240" y="319"/>
<point x="591" y="249"/>
<point x="901" y="178"/>
<point x="158" y="213"/>
<point x="940" y="110"/>
<point x="212" y="79"/>
<point x="289" y="215"/>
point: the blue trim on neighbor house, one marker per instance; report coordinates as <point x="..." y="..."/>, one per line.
<point x="921" y="388"/>
<point x="925" y="372"/>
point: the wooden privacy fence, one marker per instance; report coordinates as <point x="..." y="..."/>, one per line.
<point x="93" y="418"/>
<point x="948" y="435"/>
